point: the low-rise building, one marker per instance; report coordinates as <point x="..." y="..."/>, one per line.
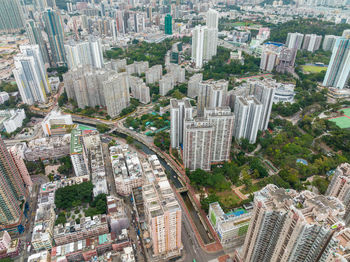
<point x="47" y="148"/>
<point x="4" y="96"/>
<point x="56" y="123"/>
<point x="88" y="228"/>
<point x="117" y="216"/>
<point x="12" y="119"/>
<point x="126" y="168"/>
<point x="85" y="249"/>
<point x="93" y="156"/>
<point x="43" y="256"/>
<point x="76" y="153"/>
<point x="230" y="227"/>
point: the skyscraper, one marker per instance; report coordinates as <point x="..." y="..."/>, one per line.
<point x="312" y="42"/>
<point x="294" y="40"/>
<point x="291" y="226"/>
<point x="247" y="118"/>
<point x="197" y="145"/>
<point x="193" y="85"/>
<point x="162" y="212"/>
<point x="116" y="92"/>
<point x="222" y="119"/>
<point x="53" y="28"/>
<point x="85" y="53"/>
<point x="329" y="42"/>
<point x="11" y="16"/>
<point x="30" y="75"/>
<point x="197" y="45"/>
<point x="264" y="93"/>
<point x="338" y="71"/>
<point x="168" y="21"/>
<point x="36" y="38"/>
<point x="11" y="188"/>
<point x="205" y="39"/>
<point x="180" y="110"/>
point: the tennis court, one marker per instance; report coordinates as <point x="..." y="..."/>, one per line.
<point x="342" y="121"/>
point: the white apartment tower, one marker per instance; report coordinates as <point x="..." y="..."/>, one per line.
<point x="294" y="40"/>
<point x="193" y="85"/>
<point x="85" y="53"/>
<point x="264" y="93"/>
<point x="197" y="145"/>
<point x="312" y="42"/>
<point x="180" y="111"/>
<point x="211" y="94"/>
<point x="222" y="119"/>
<point x="30" y="75"/>
<point x="198" y="45"/>
<point x="116" y="92"/>
<point x="248" y="112"/>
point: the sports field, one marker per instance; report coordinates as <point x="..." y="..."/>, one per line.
<point x="342" y="121"/>
<point x="313" y="69"/>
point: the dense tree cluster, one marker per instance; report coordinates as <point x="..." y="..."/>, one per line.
<point x="162" y="140"/>
<point x="73" y="196"/>
<point x="66" y="166"/>
<point x="220" y="67"/>
<point x="154" y="53"/>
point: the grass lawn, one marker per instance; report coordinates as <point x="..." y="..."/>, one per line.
<point x="342" y="121"/>
<point x="228" y="199"/>
<point x="313" y="69"/>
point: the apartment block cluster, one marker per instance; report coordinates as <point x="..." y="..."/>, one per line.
<point x="9" y="247"/>
<point x="287" y="225"/>
<point x="161" y="212"/>
<point x="11" y="119"/>
<point x="206" y="138"/>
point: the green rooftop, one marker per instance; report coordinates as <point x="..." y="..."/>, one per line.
<point x="75" y="144"/>
<point x="102" y="239"/>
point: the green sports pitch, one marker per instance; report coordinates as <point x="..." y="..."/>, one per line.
<point x="342" y="121"/>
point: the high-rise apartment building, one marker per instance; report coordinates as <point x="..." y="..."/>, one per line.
<point x="11" y="16"/>
<point x="168" y="24"/>
<point x="35" y="38"/>
<point x="30" y="75"/>
<point x="193" y="85"/>
<point x="291" y="226"/>
<point x="269" y="58"/>
<point x="338" y="71"/>
<point x="12" y="190"/>
<point x="18" y="157"/>
<point x="116" y="93"/>
<point x="84" y="85"/>
<point x="205" y="39"/>
<point x="197" y="144"/>
<point x="264" y="93"/>
<point x="286" y="60"/>
<point x="180" y="110"/>
<point x="163" y="213"/>
<point x="211" y="94"/>
<point x="329" y="42"/>
<point x="222" y="119"/>
<point x="248" y="112"/>
<point x="85" y="53"/>
<point x="198" y="45"/>
<point x="339" y="187"/>
<point x="312" y="42"/>
<point x="53" y="28"/>
<point x="139" y="89"/>
<point x="294" y="40"/>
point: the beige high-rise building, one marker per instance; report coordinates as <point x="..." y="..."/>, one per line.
<point x="180" y="110"/>
<point x="291" y="226"/>
<point x="163" y="212"/>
